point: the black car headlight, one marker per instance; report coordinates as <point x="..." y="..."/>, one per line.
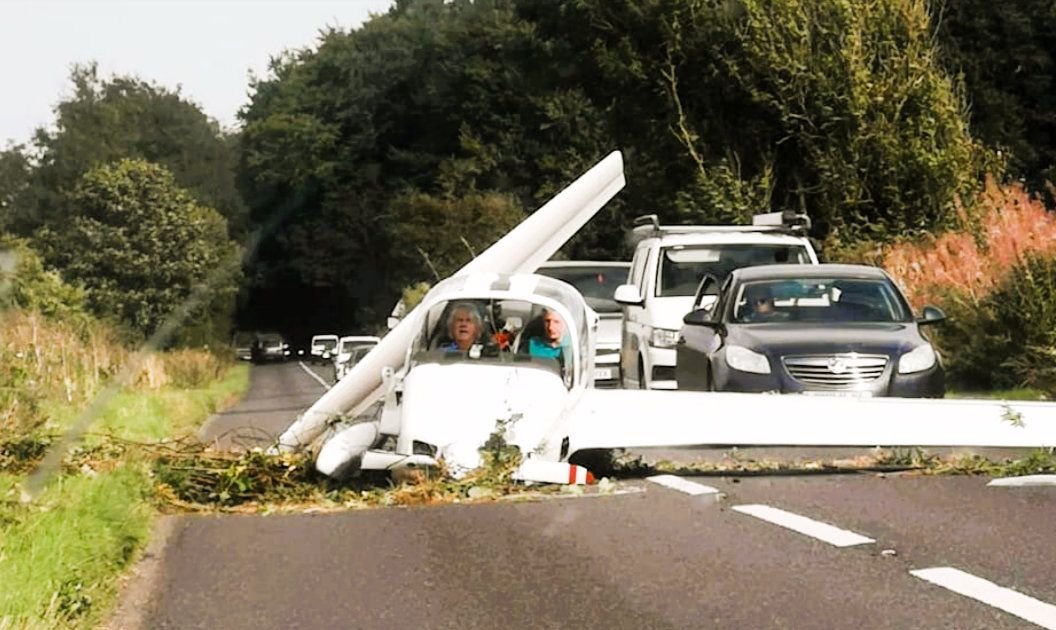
<point x="744" y="360"/>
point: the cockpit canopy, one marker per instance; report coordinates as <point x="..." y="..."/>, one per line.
<point x="515" y="319"/>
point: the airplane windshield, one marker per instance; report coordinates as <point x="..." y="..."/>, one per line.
<point x="515" y="332"/>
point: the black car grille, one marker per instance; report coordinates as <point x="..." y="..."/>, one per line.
<point x="836" y="370"/>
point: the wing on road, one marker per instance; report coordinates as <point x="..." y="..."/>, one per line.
<point x="643" y="419"/>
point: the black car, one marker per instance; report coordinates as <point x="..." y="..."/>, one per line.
<point x="841" y="330"/>
<point x="268" y="347"/>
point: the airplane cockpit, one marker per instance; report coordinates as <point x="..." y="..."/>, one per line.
<point x="516" y="320"/>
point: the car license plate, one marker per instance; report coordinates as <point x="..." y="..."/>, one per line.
<point x="839" y="394"/>
<point x="602" y="374"/>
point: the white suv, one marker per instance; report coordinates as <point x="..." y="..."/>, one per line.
<point x="669" y="263"/>
<point x="323" y="348"/>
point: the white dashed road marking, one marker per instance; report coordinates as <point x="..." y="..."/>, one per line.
<point x="1006" y="599"/>
<point x="822" y="531"/>
<point x="1026" y="481"/>
<point x="680" y="484"/>
<point x="313" y="375"/>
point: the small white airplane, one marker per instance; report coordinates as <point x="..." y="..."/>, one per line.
<point x="442" y="402"/>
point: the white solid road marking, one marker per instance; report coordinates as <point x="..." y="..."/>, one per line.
<point x="313" y="374"/>
<point x="680" y="484"/>
<point x="1028" y="480"/>
<point x="1006" y="599"/>
<point x="821" y="531"/>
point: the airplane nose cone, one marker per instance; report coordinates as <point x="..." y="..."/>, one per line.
<point x="342" y="454"/>
<point x="461" y="457"/>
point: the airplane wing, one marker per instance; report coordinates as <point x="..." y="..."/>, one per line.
<point x="608" y="419"/>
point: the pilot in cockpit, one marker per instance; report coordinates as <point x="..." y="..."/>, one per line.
<point x="554" y="340"/>
<point x="464" y="326"/>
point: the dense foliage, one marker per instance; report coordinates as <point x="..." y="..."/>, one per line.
<point x="389" y="154"/>
<point x="1006" y="54"/>
<point x="26" y="284"/>
<point x="124" y="117"/>
<point x="994" y="276"/>
<point x="142" y="246"/>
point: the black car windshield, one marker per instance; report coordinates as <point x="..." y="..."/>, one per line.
<point x="597" y="284"/>
<point x="819" y="300"/>
<point x="270" y="341"/>
<point x="682" y="267"/>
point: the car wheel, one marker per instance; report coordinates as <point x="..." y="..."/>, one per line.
<point x="641" y="375"/>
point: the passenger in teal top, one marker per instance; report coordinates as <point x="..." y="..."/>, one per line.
<point x="555" y="341"/>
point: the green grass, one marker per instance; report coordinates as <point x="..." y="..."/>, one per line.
<point x="62" y="555"/>
<point x="151" y="416"/>
<point x="1004" y="394"/>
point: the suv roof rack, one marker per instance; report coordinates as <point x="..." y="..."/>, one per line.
<point x="786" y="222"/>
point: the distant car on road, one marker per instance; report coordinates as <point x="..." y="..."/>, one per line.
<point x="243" y="343"/>
<point x="346" y="348"/>
<point x="837" y="330"/>
<point x="356" y="355"/>
<point x="270" y="346"/>
<point x="322" y="348"/>
<point x="597" y="281"/>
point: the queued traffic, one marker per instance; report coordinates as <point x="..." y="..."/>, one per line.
<point x="724" y="308"/>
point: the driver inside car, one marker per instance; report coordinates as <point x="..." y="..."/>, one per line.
<point x="759" y="304"/>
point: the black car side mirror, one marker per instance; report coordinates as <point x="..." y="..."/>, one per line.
<point x="699" y="317"/>
<point x="931" y="315"/>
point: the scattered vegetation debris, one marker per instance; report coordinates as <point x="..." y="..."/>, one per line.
<point x="190" y="476"/>
<point x="880" y="461"/>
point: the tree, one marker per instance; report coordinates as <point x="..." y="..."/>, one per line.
<point x="27" y="285"/>
<point x="1005" y="53"/>
<point x="449" y="232"/>
<point x="143" y="247"/>
<point x="839" y="108"/>
<point x="125" y="117"/>
<point x="449" y="102"/>
<point x="18" y="192"/>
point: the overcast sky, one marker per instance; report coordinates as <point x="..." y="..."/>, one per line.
<point x="206" y="46"/>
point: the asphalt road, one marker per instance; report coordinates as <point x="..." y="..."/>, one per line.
<point x="658" y="558"/>
<point x="651" y="557"/>
<point x="277" y="393"/>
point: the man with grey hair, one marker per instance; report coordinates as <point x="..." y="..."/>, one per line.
<point x="464" y="325"/>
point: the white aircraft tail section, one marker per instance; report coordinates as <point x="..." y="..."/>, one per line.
<point x="542" y="471"/>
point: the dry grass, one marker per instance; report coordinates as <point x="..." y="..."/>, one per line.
<point x="47" y="364"/>
<point x="1005" y="226"/>
<point x="45" y="360"/>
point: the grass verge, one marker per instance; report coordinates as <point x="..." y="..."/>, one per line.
<point x="1004" y="394"/>
<point x="61" y="555"/>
